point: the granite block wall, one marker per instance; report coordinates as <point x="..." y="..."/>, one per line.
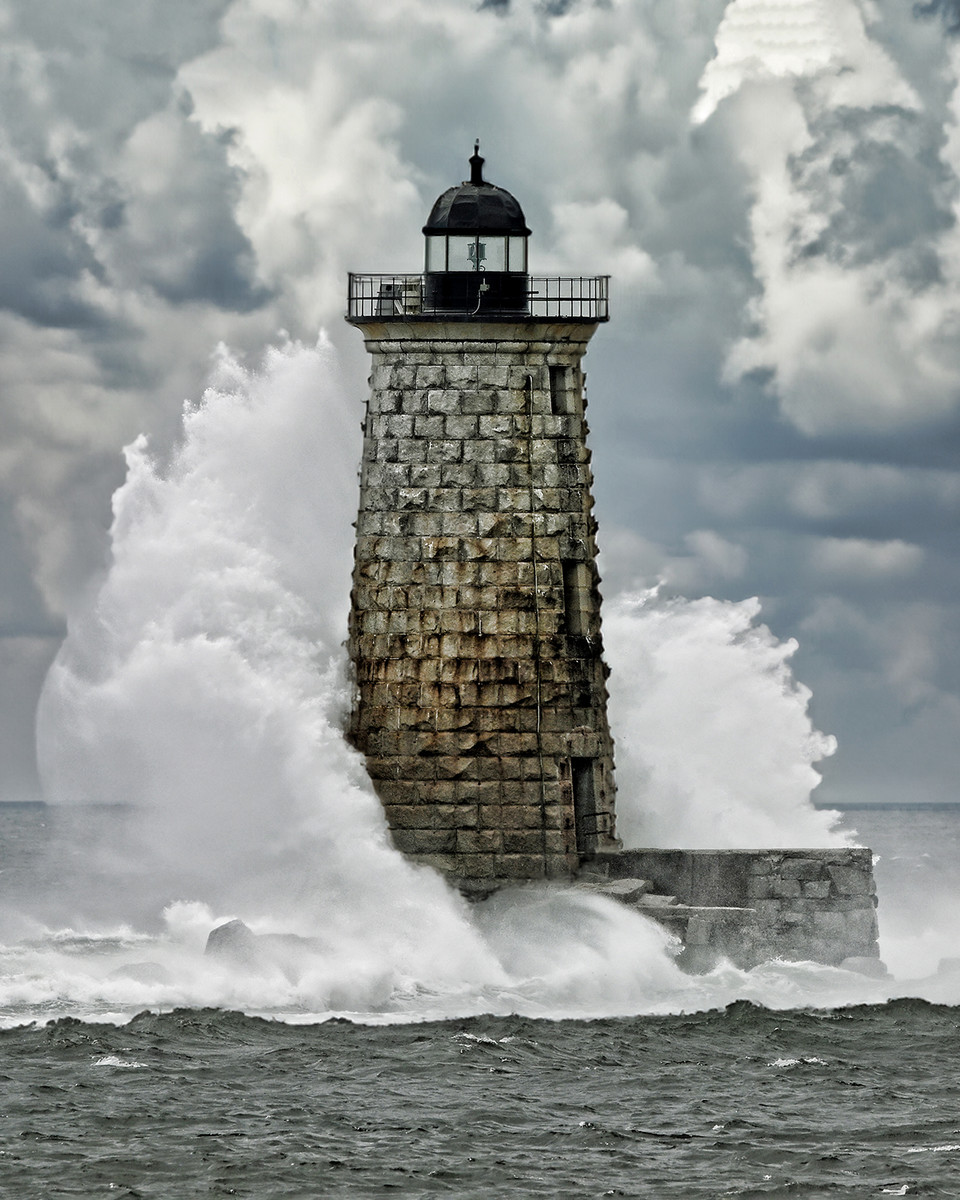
<point x="795" y="904"/>
<point x="475" y="618"/>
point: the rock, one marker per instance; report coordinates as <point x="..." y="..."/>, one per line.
<point x="234" y="941"/>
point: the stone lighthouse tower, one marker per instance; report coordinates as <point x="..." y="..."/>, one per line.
<point x="475" y="625"/>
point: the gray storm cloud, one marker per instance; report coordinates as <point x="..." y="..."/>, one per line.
<point x="857" y="311"/>
<point x="773" y="186"/>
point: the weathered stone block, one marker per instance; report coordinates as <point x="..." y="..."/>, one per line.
<point x="496" y="427"/>
<point x="509" y="769"/>
<point x="445" y="451"/>
<point x="501" y="816"/>
<point x="760" y="888"/>
<point x="850" y="881"/>
<point x="479" y="499"/>
<point x="425" y="841"/>
<point x="474" y="866"/>
<point x="458" y="573"/>
<point x="507" y="450"/>
<point x="476" y="403"/>
<point x="493" y="376"/>
<point x="527" y="841"/>
<point x="428" y="426"/>
<point x="485" y="793"/>
<point x="458" y="524"/>
<point x="412" y="450"/>
<point x="493" y="475"/>
<point x="520" y="866"/>
<point x="457" y="475"/>
<point x="400" y="792"/>
<point x="514" y="549"/>
<point x="411" y="498"/>
<point x="393" y="425"/>
<point x="442" y="403"/>
<point x="479" y="841"/>
<point x="456" y="620"/>
<point x="403" y="376"/>
<point x="430" y="816"/>
<point x="466" y="597"/>
<point x="477" y="548"/>
<point x="430" y="375"/>
<point x="464" y="376"/>
<point x="800" y="868"/>
<point x="517" y="375"/>
<point x="850" y="928"/>
<point x="424" y="524"/>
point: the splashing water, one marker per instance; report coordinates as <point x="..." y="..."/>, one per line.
<point x="714" y="745"/>
<point x="204" y="688"/>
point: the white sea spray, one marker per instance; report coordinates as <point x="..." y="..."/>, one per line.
<point x="204" y="686"/>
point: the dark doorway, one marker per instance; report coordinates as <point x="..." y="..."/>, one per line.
<point x="583" y="778"/>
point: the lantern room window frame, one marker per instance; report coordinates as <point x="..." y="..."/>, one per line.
<point x="476" y="252"/>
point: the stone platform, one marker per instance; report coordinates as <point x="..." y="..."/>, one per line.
<point x="750" y="906"/>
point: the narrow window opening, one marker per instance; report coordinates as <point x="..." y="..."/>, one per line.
<point x="583" y="778"/>
<point x="558" y="390"/>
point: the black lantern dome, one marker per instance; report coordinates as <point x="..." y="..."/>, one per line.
<point x="476" y="251"/>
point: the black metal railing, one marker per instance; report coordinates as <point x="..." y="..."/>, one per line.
<point x="547" y="298"/>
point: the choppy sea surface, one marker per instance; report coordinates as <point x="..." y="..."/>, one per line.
<point x="739" y="1102"/>
<point x="118" y="1078"/>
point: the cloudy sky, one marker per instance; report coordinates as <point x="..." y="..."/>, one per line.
<point x="773" y="184"/>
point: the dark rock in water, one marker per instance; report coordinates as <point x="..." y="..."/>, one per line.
<point x="236" y="943"/>
<point x="142" y="972"/>
<point x="233" y="940"/>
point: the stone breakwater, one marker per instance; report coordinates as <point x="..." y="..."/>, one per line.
<point x="752" y="905"/>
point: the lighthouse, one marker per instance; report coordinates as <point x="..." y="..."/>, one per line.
<point x="475" y="641"/>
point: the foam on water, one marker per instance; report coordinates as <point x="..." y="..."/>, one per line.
<point x="203" y="685"/>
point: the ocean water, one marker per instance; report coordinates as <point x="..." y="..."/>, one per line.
<point x="737" y="1102"/>
<point x="390" y="1038"/>
<point x="134" y="1066"/>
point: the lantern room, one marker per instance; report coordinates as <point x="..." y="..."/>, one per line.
<point x="476" y="249"/>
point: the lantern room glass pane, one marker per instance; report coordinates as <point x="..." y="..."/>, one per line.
<point x="462" y="253"/>
<point x="436" y="253"/>
<point x="518" y="254"/>
<point x="496" y="252"/>
<point x="474" y="252"/>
